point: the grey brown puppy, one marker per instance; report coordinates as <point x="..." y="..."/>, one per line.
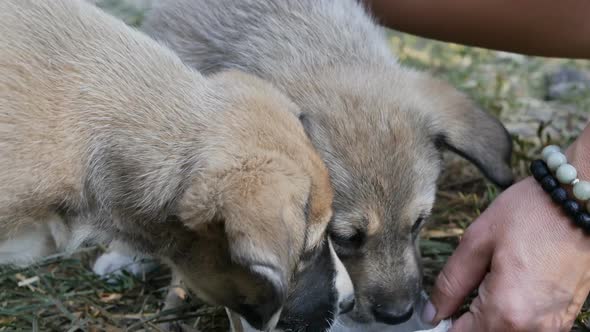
<point x="106" y="135"/>
<point x="379" y="126"/>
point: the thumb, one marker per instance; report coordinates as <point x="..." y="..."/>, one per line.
<point x="464" y="270"/>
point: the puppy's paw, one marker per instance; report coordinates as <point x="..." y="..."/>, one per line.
<point x="114" y="263"/>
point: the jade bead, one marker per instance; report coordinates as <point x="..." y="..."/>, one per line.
<point x="566" y="173"/>
<point x="555" y="160"/>
<point x="582" y="190"/>
<point x="549" y="149"/>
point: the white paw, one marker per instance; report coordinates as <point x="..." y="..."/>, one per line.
<point x="114" y="263"/>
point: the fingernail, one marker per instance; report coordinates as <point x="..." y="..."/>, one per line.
<point x="428" y="313"/>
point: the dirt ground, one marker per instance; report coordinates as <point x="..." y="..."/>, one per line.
<point x="539" y="100"/>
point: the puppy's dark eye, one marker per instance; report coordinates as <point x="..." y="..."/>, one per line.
<point x="417" y="224"/>
<point x="349" y="241"/>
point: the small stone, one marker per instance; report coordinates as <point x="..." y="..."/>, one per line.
<point x="583" y="221"/>
<point x="566" y="173"/>
<point x="582" y="190"/>
<point x="549" y="149"/>
<point x="555" y="160"/>
<point x="539" y="169"/>
<point x="549" y="183"/>
<point x="571" y="207"/>
<point x="559" y="195"/>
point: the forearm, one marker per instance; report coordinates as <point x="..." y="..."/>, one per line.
<point x="534" y="27"/>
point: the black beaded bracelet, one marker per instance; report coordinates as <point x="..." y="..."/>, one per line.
<point x="559" y="195"/>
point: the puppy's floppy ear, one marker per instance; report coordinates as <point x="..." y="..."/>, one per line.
<point x="252" y="208"/>
<point x="260" y="248"/>
<point x="459" y="125"/>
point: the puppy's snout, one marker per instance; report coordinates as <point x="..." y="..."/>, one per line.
<point x="392" y="315"/>
<point x="346" y="305"/>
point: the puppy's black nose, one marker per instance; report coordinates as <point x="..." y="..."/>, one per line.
<point x="346" y="305"/>
<point x="390" y="315"/>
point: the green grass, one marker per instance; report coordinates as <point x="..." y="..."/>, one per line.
<point x="64" y="295"/>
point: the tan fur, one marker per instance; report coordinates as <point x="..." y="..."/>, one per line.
<point x="110" y="131"/>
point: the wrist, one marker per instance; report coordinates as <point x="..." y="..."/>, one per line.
<point x="563" y="183"/>
<point x="550" y="226"/>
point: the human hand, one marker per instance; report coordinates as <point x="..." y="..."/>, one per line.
<point x="532" y="265"/>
